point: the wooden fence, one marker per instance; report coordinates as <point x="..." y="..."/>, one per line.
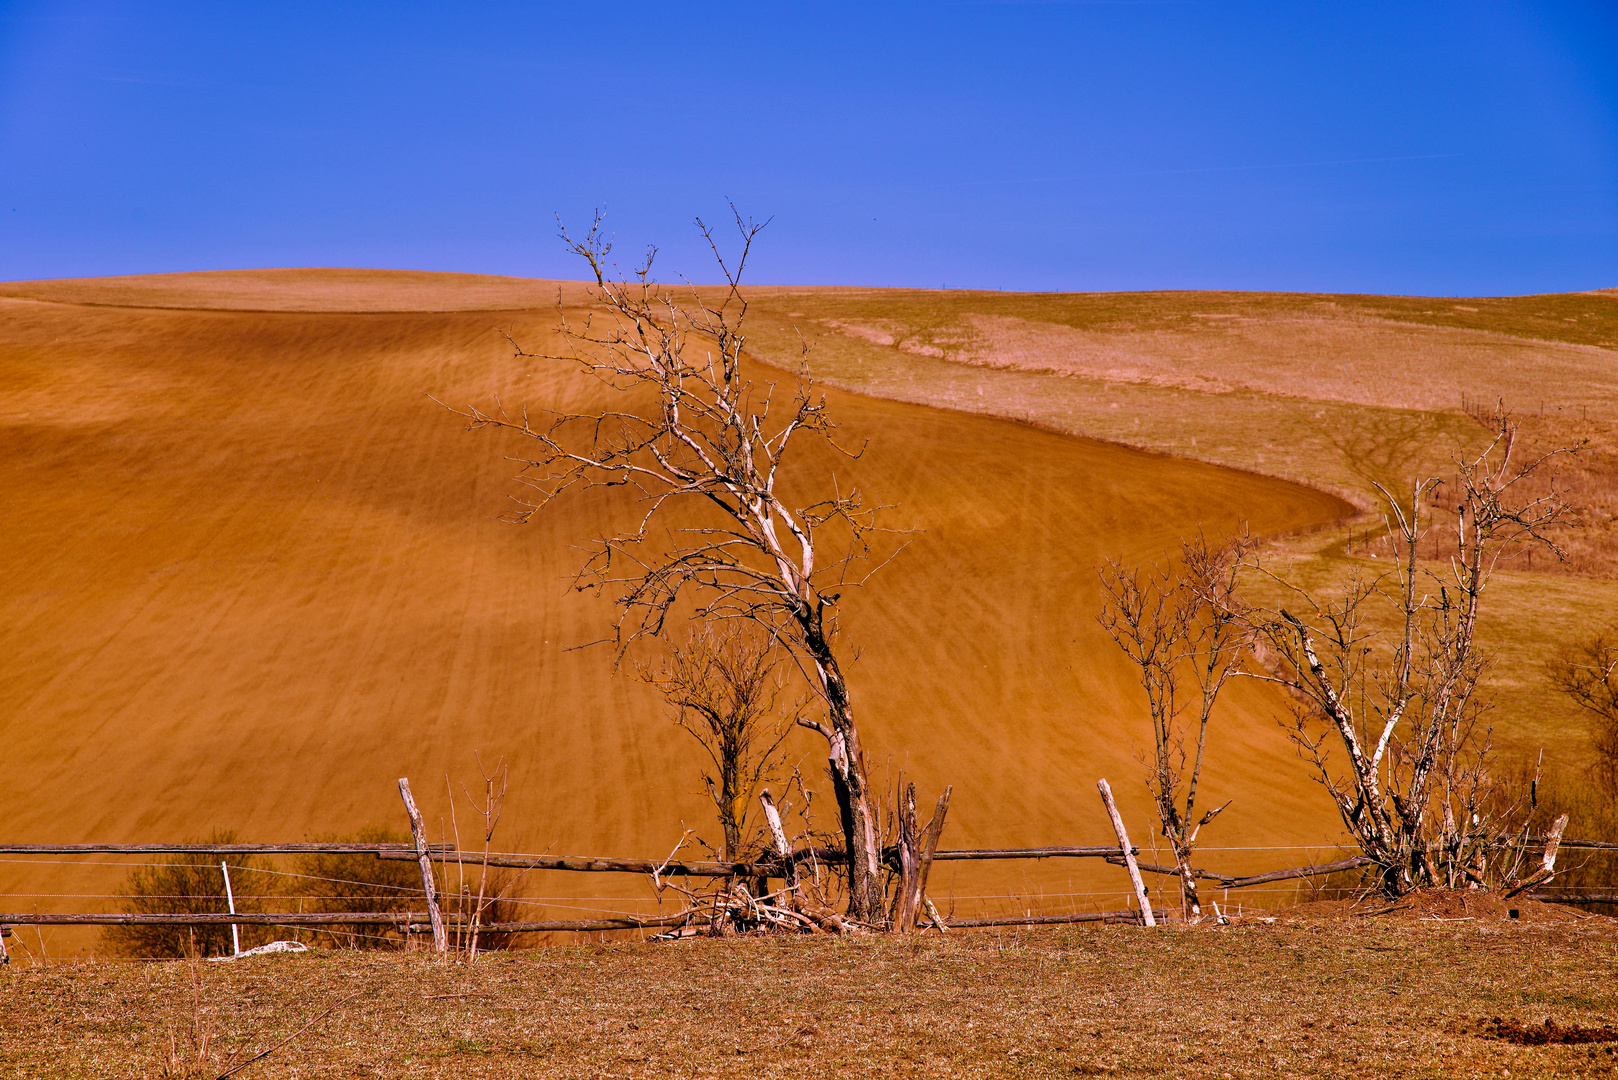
<point x="439" y="923"/>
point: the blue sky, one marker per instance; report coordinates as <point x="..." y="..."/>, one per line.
<point x="1443" y="148"/>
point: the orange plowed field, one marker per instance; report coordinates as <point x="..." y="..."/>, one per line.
<point x="252" y="575"/>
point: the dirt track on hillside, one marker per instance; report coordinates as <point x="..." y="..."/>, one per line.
<point x="252" y="576"/>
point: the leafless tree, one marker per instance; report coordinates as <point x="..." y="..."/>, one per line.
<point x="1405" y="707"/>
<point x="1587" y="672"/>
<point x="1172" y="622"/>
<point x="724" y="686"/>
<point x="741" y="544"/>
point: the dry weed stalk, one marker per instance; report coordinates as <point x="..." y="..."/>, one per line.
<point x="474" y="912"/>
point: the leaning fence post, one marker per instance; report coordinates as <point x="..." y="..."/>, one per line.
<point x="1129" y="852"/>
<point x="419" y="831"/>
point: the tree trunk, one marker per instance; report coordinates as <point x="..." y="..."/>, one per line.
<point x="1190" y="901"/>
<point x="797" y="900"/>
<point x="1547" y="868"/>
<point x="848" y="777"/>
<point x="916" y="848"/>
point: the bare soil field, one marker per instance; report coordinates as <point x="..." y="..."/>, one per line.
<point x="1313" y="994"/>
<point x="1338" y="392"/>
<point x="253" y="575"/>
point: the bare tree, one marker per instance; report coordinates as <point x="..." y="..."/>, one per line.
<point x="1405" y="708"/>
<point x="741" y="547"/>
<point x="724" y="688"/>
<point x="1588" y="673"/>
<point x="1173" y="622"/>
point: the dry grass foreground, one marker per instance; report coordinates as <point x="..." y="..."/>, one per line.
<point x="253" y="575"/>
<point x="1372" y="996"/>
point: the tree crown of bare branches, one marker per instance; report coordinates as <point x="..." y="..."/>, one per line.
<point x="1406" y="714"/>
<point x="712" y="437"/>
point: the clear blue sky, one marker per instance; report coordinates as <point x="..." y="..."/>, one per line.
<point x="1413" y="147"/>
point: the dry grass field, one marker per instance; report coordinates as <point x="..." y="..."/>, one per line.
<point x="253" y="575"/>
<point x="1316" y="994"/>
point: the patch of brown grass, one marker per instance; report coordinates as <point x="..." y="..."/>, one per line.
<point x="1311" y="997"/>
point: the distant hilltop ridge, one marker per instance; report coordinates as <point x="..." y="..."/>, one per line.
<point x="310" y="289"/>
<point x="357" y="289"/>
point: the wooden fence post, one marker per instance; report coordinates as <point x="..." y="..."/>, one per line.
<point x="1547" y="867"/>
<point x="783" y="847"/>
<point x="419" y="831"/>
<point x="1129" y="854"/>
<point x="230" y="898"/>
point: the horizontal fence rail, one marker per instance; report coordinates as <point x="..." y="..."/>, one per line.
<point x="410" y="922"/>
<point x="770" y="868"/>
<point x="404" y="850"/>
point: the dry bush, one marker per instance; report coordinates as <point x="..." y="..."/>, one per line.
<point x="190" y="885"/>
<point x="489" y="897"/>
<point x="1394" y="726"/>
<point x="332" y="882"/>
<point x="1183" y="632"/>
<point x="723" y="684"/>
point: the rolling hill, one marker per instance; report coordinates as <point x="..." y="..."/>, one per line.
<point x="254" y="574"/>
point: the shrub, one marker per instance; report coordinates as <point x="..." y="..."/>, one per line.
<point x="332" y="882"/>
<point x="461" y="902"/>
<point x="190" y="885"/>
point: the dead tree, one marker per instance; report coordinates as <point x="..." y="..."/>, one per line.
<point x="741" y="547"/>
<point x="914" y="855"/>
<point x="1390" y="674"/>
<point x="723" y="687"/>
<point x="1172" y="623"/>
